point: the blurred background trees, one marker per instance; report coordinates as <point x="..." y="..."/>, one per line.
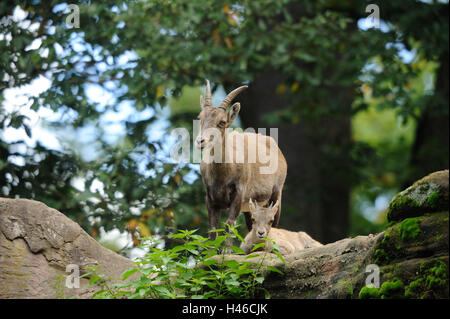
<point x="362" y="111"/>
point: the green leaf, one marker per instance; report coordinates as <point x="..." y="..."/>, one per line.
<point x="274" y="269"/>
<point x="178" y="248"/>
<point x="219" y="240"/>
<point x="210" y="262"/>
<point x="231" y="264"/>
<point x="232" y="282"/>
<point x="276" y="252"/>
<point x="193" y="251"/>
<point x="305" y="56"/>
<point x="161" y="289"/>
<point x="179" y="236"/>
<point x="127" y="273"/>
<point x="237" y="250"/>
<point x="258" y="246"/>
<point x="27" y="130"/>
<point x="259" y="279"/>
<point x="235" y="232"/>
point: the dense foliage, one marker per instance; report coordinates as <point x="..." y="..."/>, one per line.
<point x="193" y="269"/>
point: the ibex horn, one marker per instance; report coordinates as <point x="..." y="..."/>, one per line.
<point x="227" y="100"/>
<point x="208" y="99"/>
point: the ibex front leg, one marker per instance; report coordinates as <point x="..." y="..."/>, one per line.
<point x="213" y="216"/>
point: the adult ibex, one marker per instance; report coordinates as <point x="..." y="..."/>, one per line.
<point x="231" y="183"/>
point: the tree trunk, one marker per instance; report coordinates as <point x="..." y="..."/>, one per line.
<point x="431" y="147"/>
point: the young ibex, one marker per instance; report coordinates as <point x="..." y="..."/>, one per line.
<point x="288" y="241"/>
<point x="230" y="184"/>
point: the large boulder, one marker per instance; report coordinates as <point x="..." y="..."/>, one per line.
<point x="411" y="256"/>
<point x="427" y="195"/>
<point x="37" y="243"/>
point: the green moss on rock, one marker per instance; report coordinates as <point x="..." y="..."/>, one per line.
<point x="414" y="279"/>
<point x="409" y="228"/>
<point x="414" y="288"/>
<point x="381" y="257"/>
<point x="58" y="286"/>
<point x="392" y="289"/>
<point x="368" y="292"/>
<point x="412" y="237"/>
<point x="400" y="202"/>
<point x="433" y="200"/>
<point x="431" y="280"/>
<point x="436" y="276"/>
<point x="386" y="236"/>
<point x="347" y="287"/>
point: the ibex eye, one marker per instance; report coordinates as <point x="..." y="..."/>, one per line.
<point x="221" y="124"/>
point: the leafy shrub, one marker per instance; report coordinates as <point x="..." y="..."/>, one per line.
<point x="197" y="268"/>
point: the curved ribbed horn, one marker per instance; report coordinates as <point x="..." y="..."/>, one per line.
<point x="227" y="100"/>
<point x="208" y="99"/>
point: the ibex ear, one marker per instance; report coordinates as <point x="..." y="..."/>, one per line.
<point x="251" y="206"/>
<point x="202" y="101"/>
<point x="275" y="206"/>
<point x="233" y="112"/>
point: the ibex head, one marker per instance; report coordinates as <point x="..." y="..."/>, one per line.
<point x="262" y="218"/>
<point x="216" y="117"/>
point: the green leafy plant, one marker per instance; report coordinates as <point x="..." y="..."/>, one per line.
<point x="197" y="268"/>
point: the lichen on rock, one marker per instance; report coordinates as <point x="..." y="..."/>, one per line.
<point x="429" y="194"/>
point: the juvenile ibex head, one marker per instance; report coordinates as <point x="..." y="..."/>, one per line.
<point x="262" y="218"/>
<point x="216" y="117"/>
